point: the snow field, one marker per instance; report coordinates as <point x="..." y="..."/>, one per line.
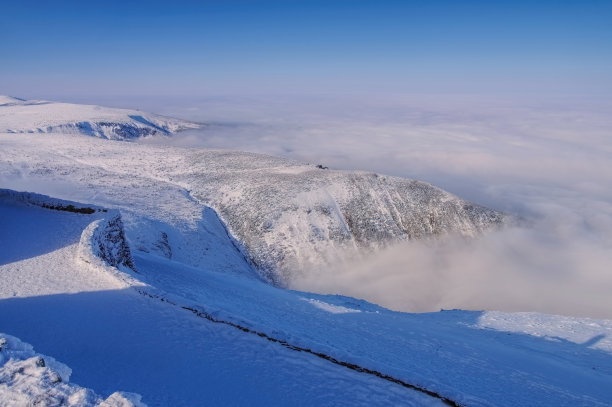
<point x="114" y="337"/>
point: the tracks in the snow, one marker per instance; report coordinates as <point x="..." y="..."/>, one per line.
<point x="205" y="315"/>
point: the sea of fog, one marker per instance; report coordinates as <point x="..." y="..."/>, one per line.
<point x="548" y="161"/>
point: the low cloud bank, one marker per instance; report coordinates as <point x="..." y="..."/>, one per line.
<point x="548" y="161"/>
<point x="518" y="269"/>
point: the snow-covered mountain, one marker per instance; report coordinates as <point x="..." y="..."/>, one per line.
<point x="146" y="269"/>
<point x="285" y="216"/>
<point x="38" y="116"/>
<point x="291" y="216"/>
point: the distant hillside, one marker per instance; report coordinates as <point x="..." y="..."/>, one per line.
<point x="35" y="116"/>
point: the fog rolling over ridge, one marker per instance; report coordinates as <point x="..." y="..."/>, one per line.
<point x="547" y="161"/>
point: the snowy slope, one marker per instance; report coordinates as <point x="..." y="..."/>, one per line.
<point x="472" y="358"/>
<point x="116" y="338"/>
<point x="286" y="216"/>
<point x="9" y="101"/>
<point x="292" y="217"/>
<point x="175" y="327"/>
<point x="142" y="274"/>
<point x="32" y="116"/>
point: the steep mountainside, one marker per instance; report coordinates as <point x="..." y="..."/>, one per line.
<point x="291" y="216"/>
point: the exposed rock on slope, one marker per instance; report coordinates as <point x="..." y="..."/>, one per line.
<point x="110" y="243"/>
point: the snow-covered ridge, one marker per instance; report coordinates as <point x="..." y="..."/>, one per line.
<point x="33" y="116"/>
<point x="291" y="217"/>
<point x="286" y="215"/>
<point x="29" y="378"/>
<point x="9" y="100"/>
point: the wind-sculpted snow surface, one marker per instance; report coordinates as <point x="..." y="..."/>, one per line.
<point x="291" y="217"/>
<point x="31" y="379"/>
<point x="32" y="116"/>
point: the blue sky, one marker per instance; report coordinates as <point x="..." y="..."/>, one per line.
<point x="174" y="48"/>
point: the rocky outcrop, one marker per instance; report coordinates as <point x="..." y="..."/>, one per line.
<point x="110" y="245"/>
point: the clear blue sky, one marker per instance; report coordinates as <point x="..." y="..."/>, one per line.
<point x="67" y="48"/>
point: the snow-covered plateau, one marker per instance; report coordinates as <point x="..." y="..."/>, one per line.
<point x="163" y="271"/>
<point x="39" y="116"/>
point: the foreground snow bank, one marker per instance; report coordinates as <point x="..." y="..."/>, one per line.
<point x="29" y="378"/>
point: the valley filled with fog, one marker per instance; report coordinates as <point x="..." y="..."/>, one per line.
<point x="546" y="161"/>
<point x="122" y="232"/>
<point x="306" y="203"/>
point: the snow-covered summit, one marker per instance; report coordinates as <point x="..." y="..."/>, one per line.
<point x="35" y="116"/>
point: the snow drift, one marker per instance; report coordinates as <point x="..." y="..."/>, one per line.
<point x="29" y="378"/>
